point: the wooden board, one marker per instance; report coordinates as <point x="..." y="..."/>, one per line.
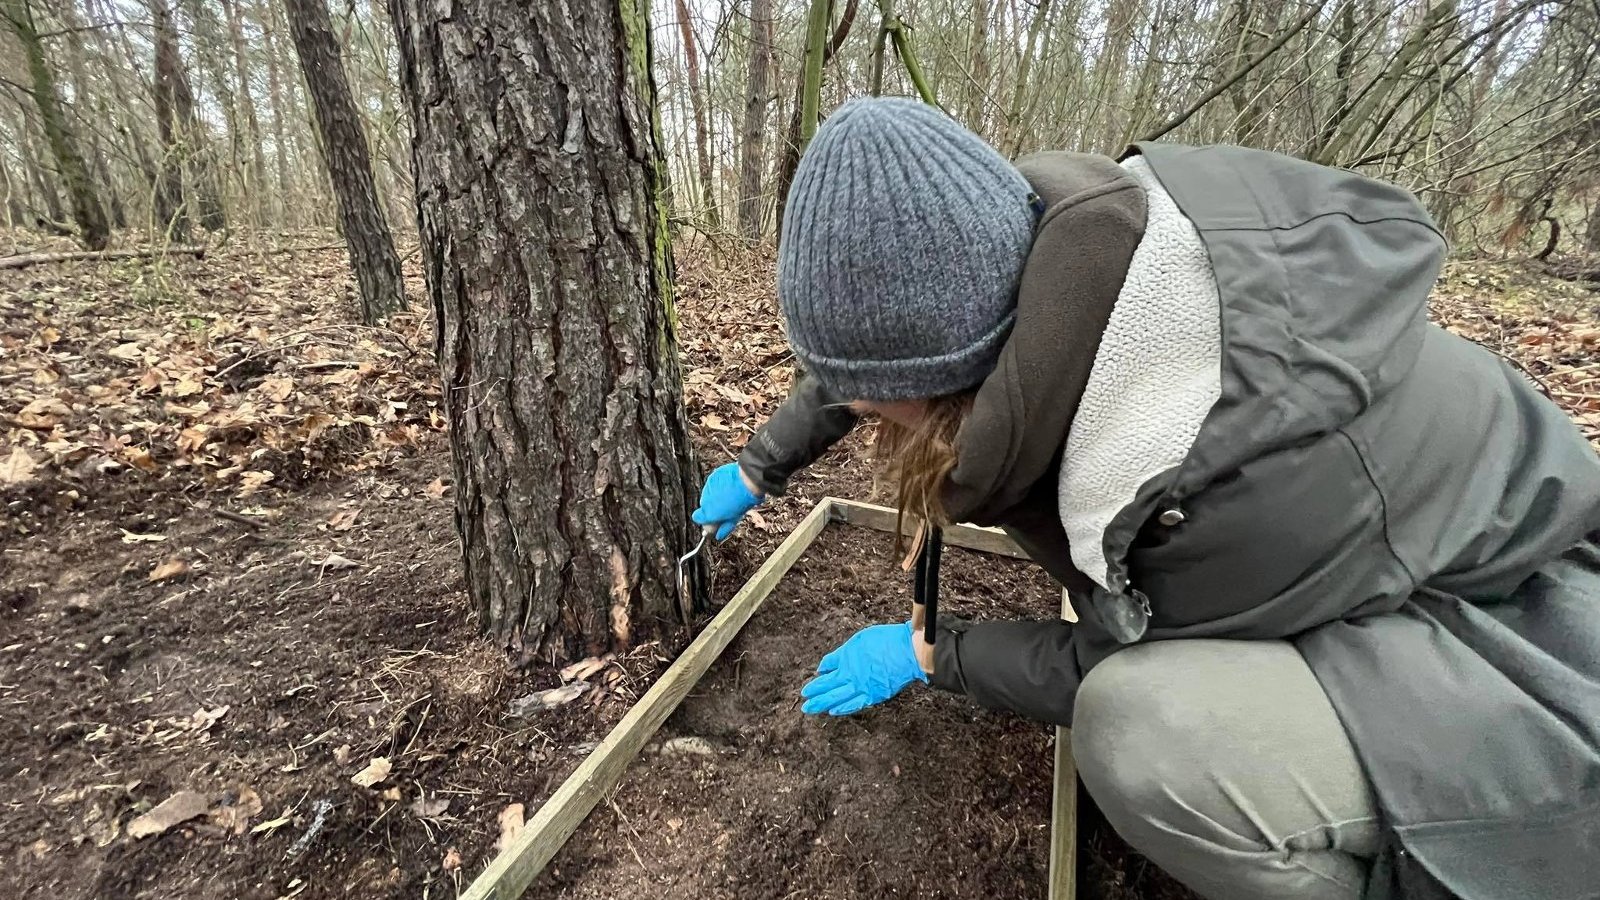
<point x="971" y="537"/>
<point x="1064" y="806"/>
<point x="509" y="874"/>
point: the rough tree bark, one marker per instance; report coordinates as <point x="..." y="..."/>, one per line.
<point x="87" y="212"/>
<point x="757" y="97"/>
<point x="344" y="150"/>
<point x="542" y="217"/>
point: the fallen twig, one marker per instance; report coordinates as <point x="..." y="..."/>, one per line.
<point x="240" y="518"/>
<point x="31" y="259"/>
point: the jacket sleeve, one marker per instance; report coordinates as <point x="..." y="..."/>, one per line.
<point x="1030" y="668"/>
<point x="810" y="421"/>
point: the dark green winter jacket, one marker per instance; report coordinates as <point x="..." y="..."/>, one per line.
<point x="1397" y="501"/>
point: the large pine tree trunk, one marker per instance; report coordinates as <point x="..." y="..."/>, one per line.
<point x="543" y="225"/>
<point x="87" y="212"/>
<point x="344" y="149"/>
<point x="751" y="207"/>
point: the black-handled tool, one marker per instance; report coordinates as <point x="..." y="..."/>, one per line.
<point x="925" y="584"/>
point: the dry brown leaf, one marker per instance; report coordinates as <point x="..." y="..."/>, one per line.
<point x="250" y="482"/>
<point x="43" y="414"/>
<point x="172" y="568"/>
<point x="277" y="388"/>
<point x="392" y="795"/>
<point x="341" y="754"/>
<point x="452" y="860"/>
<point x="423" y="808"/>
<point x="334" y="561"/>
<point x="140" y="459"/>
<point x="127" y="352"/>
<point x="344" y="520"/>
<point x="133" y="537"/>
<point x="203" y="719"/>
<point x="274" y="824"/>
<point x="435" y="488"/>
<point x="510" y="820"/>
<point x="175" y="810"/>
<point x="193" y="438"/>
<point x="582" y="669"/>
<point x="18" y="467"/>
<point x="187" y="386"/>
<point x="236" y="816"/>
<point x="376" y="771"/>
<point x="758" y="521"/>
<point x="713" y="422"/>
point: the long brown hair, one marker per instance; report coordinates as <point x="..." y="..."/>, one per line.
<point x="914" y="460"/>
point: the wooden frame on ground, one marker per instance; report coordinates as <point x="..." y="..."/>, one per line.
<point x="510" y="873"/>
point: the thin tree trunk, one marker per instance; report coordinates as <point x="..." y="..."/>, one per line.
<point x="87" y="212"/>
<point x="573" y="471"/>
<point x="1014" y="115"/>
<point x="702" y="146"/>
<point x="13" y="189"/>
<point x="978" y="65"/>
<point x="1361" y="111"/>
<point x="174" y="106"/>
<point x="280" y="149"/>
<point x="344" y="146"/>
<point x="1110" y="68"/>
<point x="43" y="187"/>
<point x="1342" y="73"/>
<point x="789" y="160"/>
<point x="757" y="96"/>
<point x="255" y="186"/>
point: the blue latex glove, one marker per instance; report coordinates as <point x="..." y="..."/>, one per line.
<point x="874" y="665"/>
<point x="724" y="500"/>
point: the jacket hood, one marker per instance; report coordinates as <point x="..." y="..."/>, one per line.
<point x="1093" y="220"/>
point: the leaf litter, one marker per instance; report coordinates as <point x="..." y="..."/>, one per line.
<point x="266" y="388"/>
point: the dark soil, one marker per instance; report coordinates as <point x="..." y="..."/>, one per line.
<point x="262" y="679"/>
<point x="743" y="796"/>
<point x="309" y="673"/>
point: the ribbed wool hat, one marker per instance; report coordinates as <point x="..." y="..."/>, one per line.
<point x="903" y="242"/>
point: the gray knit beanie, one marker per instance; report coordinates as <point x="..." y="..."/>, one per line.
<point x="903" y="241"/>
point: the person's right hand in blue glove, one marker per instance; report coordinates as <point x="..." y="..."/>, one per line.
<point x="874" y="665"/>
<point x="724" y="499"/>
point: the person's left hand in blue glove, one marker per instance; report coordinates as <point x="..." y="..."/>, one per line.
<point x="874" y="665"/>
<point x="724" y="499"/>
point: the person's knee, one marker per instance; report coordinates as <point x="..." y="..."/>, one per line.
<point x="1127" y="736"/>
